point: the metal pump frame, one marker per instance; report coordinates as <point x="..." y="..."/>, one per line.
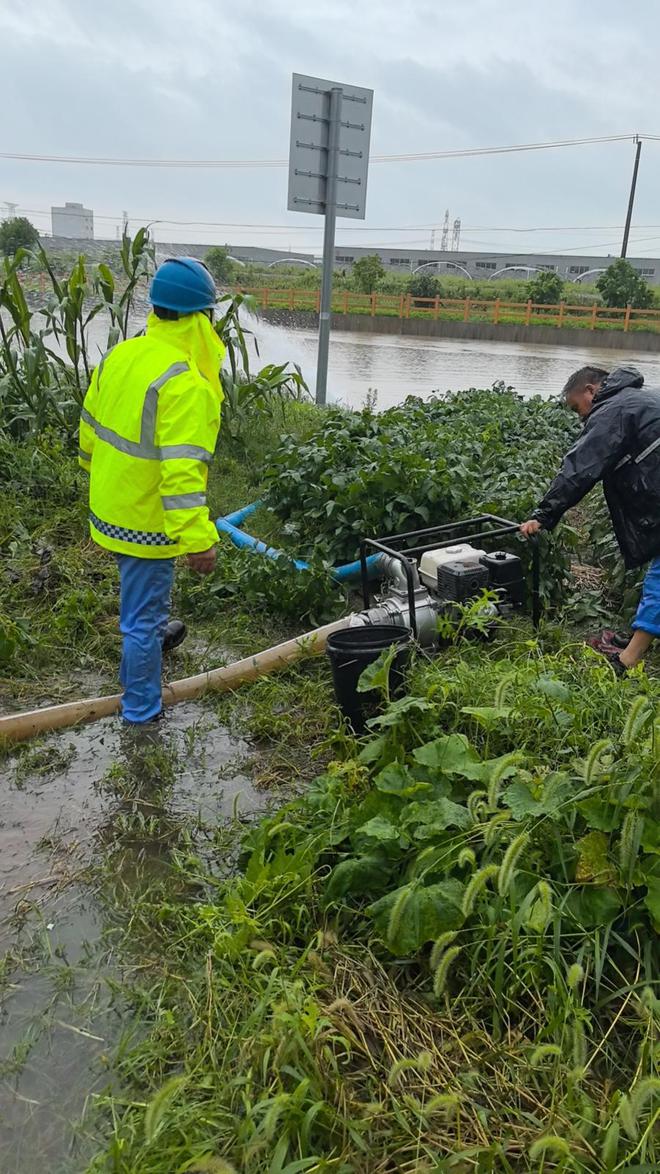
<point x="469" y="530"/>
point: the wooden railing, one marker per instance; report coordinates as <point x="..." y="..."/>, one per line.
<point x="440" y="309"/>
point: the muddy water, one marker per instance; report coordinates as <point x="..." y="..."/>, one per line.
<point x="63" y="805"/>
<point x="394" y="367"/>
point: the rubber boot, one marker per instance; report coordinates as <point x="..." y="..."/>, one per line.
<point x="175" y="634"/>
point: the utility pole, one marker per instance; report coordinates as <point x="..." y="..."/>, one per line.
<point x="631" y="200"/>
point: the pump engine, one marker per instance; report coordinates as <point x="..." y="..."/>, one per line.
<point x="430" y="573"/>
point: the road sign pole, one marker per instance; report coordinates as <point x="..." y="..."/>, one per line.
<point x="328" y="168"/>
<point x="328" y="243"/>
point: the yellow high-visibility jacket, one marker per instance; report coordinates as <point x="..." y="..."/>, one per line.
<point x="148" y="430"/>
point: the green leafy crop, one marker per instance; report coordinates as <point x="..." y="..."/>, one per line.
<point x="423" y="463"/>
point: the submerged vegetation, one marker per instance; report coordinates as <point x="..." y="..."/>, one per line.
<point x="442" y="952"/>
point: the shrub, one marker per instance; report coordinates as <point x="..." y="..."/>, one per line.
<point x="424" y="285"/>
<point x="621" y="285"/>
<point x="17" y="233"/>
<point x="423" y="463"/>
<point x="220" y="265"/>
<point x="545" y="288"/>
<point x="367" y="274"/>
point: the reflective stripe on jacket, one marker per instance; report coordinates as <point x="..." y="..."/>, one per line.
<point x="148" y="429"/>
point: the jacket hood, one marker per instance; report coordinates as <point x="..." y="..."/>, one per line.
<point x="194" y="336"/>
<point x="616" y="381"/>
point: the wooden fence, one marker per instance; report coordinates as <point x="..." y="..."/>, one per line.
<point x="440" y="309"/>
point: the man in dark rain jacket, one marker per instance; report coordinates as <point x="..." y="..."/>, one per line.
<point x="620" y="446"/>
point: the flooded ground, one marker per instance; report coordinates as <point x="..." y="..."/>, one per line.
<point x="81" y="798"/>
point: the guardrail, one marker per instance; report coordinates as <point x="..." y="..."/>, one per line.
<point x="440" y="309"/>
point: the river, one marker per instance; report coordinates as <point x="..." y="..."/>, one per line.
<point x="390" y="368"/>
<point x="395" y="367"/>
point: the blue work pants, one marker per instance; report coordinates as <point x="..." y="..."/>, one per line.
<point x="146" y="587"/>
<point x="648" y="612"/>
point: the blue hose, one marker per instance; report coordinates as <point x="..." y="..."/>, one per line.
<point x="239" y="516"/>
<point x="247" y="542"/>
<point x="353" y="570"/>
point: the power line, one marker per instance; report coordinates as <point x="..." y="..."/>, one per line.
<point x="417" y="156"/>
<point x="555" y="228"/>
<point x="285" y="228"/>
<point x="476" y="151"/>
<point x="295" y="228"/>
<point x="264" y="229"/>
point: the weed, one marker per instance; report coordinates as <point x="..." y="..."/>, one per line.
<point x="39" y="760"/>
<point x="309" y="1028"/>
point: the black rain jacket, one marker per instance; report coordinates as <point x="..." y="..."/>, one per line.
<point x="620" y="446"/>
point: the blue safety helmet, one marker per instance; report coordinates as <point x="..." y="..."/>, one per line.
<point x="182" y="284"/>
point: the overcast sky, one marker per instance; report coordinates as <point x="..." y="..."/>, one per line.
<point x="208" y="79"/>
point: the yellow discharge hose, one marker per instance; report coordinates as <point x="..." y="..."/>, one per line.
<point x="17" y="727"/>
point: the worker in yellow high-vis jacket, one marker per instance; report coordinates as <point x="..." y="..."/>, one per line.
<point x="148" y="430"/>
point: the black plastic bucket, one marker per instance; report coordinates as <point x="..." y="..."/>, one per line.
<point x="350" y="651"/>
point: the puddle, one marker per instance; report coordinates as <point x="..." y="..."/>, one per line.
<point x="51" y="815"/>
<point x="65" y="803"/>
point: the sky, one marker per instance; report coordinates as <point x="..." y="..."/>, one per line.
<point x="206" y="79"/>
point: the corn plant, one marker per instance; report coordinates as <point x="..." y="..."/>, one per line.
<point x="45" y="359"/>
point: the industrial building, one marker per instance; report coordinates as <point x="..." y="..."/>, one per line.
<point x="459" y="262"/>
<point x="487" y="265"/>
<point x="73" y="222"/>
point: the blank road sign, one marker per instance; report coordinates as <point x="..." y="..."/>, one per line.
<point x="308" y="155"/>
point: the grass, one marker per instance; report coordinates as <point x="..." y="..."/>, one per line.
<point x="277" y="1031"/>
<point x="292" y="722"/>
<point x="59" y="592"/>
<point x="478" y="314"/>
<point x="253" y="1023"/>
<point x="311" y="1058"/>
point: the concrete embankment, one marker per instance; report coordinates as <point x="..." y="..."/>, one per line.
<point x="638" y="340"/>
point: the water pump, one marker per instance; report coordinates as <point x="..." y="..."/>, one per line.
<point x="430" y="573"/>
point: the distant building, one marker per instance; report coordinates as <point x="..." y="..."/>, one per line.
<point x="463" y="263"/>
<point x="456" y="262"/>
<point x="73" y="221"/>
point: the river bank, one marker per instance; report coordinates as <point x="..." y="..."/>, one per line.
<point x="644" y="341"/>
<point x="388" y="367"/>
